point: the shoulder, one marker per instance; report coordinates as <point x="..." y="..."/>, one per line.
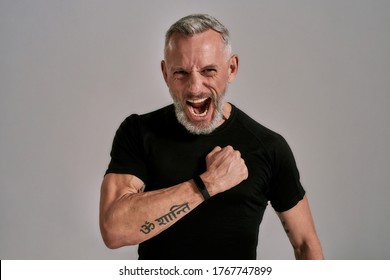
<point x="262" y="133"/>
<point x="155" y="118"/>
<point x="158" y="114"/>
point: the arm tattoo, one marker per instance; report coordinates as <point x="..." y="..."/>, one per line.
<point x="171" y="215"/>
<point x="147" y="227"/>
<point x="174" y="211"/>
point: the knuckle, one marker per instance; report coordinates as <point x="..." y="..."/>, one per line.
<point x="229" y="148"/>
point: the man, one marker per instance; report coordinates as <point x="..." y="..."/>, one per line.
<point x="192" y="180"/>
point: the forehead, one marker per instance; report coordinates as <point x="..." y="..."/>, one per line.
<point x="207" y="45"/>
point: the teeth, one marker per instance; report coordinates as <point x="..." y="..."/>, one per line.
<point x="197" y="100"/>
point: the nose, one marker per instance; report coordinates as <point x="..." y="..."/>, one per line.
<point x="195" y="83"/>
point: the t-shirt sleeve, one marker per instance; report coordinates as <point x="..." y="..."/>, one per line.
<point x="286" y="189"/>
<point x="127" y="153"/>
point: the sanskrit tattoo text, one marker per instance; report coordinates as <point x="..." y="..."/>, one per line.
<point x="172" y="215"/>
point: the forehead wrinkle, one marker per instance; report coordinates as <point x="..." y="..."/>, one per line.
<point x="191" y="49"/>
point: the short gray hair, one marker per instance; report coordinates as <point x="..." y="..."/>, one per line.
<point x="198" y="23"/>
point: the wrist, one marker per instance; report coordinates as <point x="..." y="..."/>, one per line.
<point x="202" y="188"/>
<point x="210" y="182"/>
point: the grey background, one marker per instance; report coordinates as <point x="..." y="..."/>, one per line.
<point x="318" y="72"/>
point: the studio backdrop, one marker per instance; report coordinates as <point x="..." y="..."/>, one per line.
<point x="317" y="72"/>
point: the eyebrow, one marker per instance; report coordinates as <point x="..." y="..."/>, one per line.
<point x="178" y="68"/>
<point x="210" y="66"/>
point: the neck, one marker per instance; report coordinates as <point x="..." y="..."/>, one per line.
<point x="227" y="109"/>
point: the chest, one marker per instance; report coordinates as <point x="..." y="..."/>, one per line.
<point x="172" y="160"/>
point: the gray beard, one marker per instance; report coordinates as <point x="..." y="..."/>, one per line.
<point x="200" y="128"/>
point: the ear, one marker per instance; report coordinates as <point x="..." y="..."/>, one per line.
<point x="233" y="67"/>
<point x="164" y="70"/>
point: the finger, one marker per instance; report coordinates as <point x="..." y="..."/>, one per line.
<point x="211" y="156"/>
<point x="215" y="150"/>
<point x="230" y="152"/>
<point x="228" y="148"/>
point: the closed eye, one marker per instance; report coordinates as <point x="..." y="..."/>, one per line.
<point x="209" y="72"/>
<point x="179" y="74"/>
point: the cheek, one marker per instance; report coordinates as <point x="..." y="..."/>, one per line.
<point x="214" y="93"/>
<point x="174" y="85"/>
<point x="218" y="86"/>
<point x="176" y="90"/>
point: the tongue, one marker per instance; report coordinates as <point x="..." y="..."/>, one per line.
<point x="200" y="108"/>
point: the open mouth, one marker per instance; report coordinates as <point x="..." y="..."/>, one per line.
<point x="199" y="107"/>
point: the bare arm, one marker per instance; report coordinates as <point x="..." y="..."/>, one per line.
<point x="129" y="216"/>
<point x="299" y="226"/>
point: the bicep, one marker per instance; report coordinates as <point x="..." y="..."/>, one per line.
<point x="298" y="222"/>
<point x="116" y="186"/>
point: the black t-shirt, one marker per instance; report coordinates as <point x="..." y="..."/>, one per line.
<point x="158" y="150"/>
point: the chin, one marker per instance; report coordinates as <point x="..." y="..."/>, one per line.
<point x="201" y="127"/>
<point x="202" y="117"/>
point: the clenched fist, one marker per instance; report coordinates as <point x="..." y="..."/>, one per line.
<point x="225" y="170"/>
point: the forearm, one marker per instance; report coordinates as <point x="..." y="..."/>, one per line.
<point x="129" y="216"/>
<point x="309" y="251"/>
<point x="136" y="217"/>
